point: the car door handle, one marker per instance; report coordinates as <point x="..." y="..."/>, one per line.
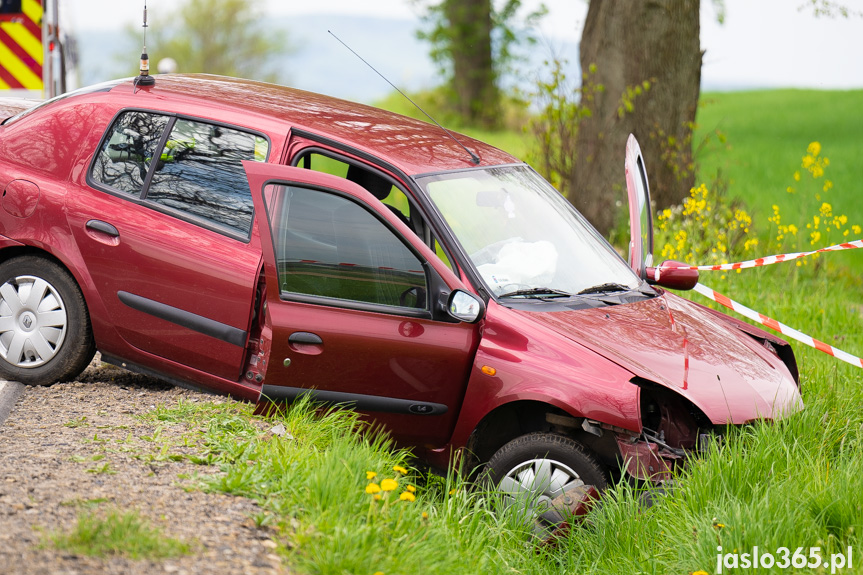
<point x="305" y="337"/>
<point x="103" y="227"/>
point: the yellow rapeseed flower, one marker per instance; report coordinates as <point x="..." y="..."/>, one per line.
<point x="797" y="176"/>
<point x="373" y="488"/>
<point x="856" y="229"/>
<point x="389" y="484"/>
<point x="371" y="475"/>
<point x="407" y="496"/>
<point x="814" y="148"/>
<point x="400" y="469"/>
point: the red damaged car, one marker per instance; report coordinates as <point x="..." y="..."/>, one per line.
<point x="265" y="242"/>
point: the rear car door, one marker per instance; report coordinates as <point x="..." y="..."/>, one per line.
<point x="353" y="298"/>
<point x="165" y="228"/>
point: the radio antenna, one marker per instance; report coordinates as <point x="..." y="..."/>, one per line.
<point x="144" y="78"/>
<point x="473" y="157"/>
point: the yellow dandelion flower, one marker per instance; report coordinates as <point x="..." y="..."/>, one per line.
<point x="389" y="484"/>
<point x="371" y="475"/>
<point x="378" y="573"/>
<point x="378" y="497"/>
<point x="425" y="515"/>
<point x="789" y="189"/>
<point x="400" y="469"/>
<point x="411" y="488"/>
<point x="373" y="488"/>
<point x="699" y="572"/>
<point x="407" y="496"/>
<point x="453" y="491"/>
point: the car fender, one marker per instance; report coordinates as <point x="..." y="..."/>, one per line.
<point x="517" y="361"/>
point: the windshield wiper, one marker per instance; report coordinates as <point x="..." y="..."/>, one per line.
<point x="604" y="288"/>
<point x="538" y="293"/>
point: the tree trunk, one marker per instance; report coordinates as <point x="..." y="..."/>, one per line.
<point x="632" y="42"/>
<point x="473" y="67"/>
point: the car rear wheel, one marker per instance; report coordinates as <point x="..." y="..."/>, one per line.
<point x="535" y="469"/>
<point x="45" y="333"/>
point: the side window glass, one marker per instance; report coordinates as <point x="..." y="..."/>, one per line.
<point x="127" y="151"/>
<point x="199" y="173"/>
<point x="381" y="188"/>
<point x="327" y="245"/>
<point x="438" y="249"/>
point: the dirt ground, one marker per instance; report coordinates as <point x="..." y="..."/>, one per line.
<point x="54" y="464"/>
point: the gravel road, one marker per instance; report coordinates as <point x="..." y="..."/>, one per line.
<point x="78" y="446"/>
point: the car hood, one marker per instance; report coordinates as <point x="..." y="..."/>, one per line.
<point x="683" y="347"/>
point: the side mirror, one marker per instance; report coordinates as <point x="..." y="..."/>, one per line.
<point x="671" y="274"/>
<point x="464" y="306"/>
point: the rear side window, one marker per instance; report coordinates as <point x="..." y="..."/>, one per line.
<point x="199" y="173"/>
<point x="126" y="154"/>
<point x="196" y="174"/>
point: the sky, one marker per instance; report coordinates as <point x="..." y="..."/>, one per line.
<point x="762" y="43"/>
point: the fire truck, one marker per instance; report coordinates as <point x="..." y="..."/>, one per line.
<point x="36" y="57"/>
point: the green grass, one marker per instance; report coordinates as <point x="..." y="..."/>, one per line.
<point x="767" y="135"/>
<point x="794" y="483"/>
<point x="115" y="533"/>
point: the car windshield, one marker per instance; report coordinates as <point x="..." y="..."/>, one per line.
<point x="524" y="238"/>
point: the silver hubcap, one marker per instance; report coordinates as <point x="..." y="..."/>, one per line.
<point x="32" y="321"/>
<point x="535" y="483"/>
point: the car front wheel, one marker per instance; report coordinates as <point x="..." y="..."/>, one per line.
<point x="535" y="469"/>
<point x="45" y="333"/>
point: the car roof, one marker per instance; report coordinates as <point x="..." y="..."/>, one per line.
<point x="411" y="145"/>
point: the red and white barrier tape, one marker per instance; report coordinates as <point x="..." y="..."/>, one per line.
<point x="777" y="326"/>
<point x="766" y="261"/>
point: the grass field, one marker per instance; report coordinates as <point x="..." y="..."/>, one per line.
<point x="768" y="133"/>
<point x="786" y="487"/>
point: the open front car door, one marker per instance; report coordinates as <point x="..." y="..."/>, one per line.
<point x="358" y="306"/>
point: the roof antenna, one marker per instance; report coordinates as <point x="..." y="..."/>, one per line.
<point x="145" y="79"/>
<point x="473" y="157"/>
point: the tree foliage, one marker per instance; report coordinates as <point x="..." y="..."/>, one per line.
<point x="227" y="37"/>
<point x="474" y="42"/>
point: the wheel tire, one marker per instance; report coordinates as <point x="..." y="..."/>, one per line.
<point x="45" y="333"/>
<point x="536" y="468"/>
